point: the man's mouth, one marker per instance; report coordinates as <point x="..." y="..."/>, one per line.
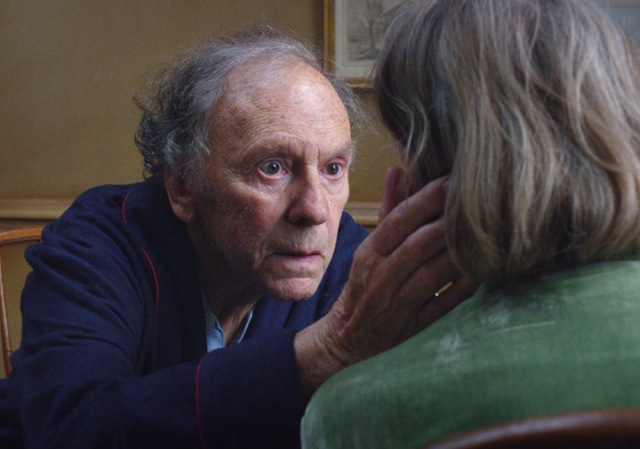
<point x="299" y="257"/>
<point x="299" y="254"/>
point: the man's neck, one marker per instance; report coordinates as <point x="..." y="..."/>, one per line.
<point x="229" y="299"/>
<point x="230" y="310"/>
<point x="231" y="322"/>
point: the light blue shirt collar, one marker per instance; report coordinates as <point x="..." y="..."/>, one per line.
<point x="215" y="334"/>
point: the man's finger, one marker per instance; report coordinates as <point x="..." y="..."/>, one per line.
<point x="417" y="250"/>
<point x="392" y="195"/>
<point x="419" y="209"/>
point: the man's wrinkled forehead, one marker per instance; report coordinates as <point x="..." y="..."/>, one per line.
<point x="242" y="84"/>
<point x="262" y="71"/>
<point x="258" y="85"/>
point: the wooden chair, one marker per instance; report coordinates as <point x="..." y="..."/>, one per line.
<point x="601" y="429"/>
<point x="13" y="238"/>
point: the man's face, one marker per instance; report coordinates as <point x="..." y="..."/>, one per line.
<point x="277" y="184"/>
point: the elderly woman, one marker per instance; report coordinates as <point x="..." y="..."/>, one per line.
<point x="532" y="107"/>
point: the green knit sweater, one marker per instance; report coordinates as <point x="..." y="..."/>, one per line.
<point x="566" y="342"/>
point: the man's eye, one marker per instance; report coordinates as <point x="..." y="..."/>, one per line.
<point x="271" y="168"/>
<point x="333" y="169"/>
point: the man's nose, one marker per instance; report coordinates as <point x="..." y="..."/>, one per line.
<point x="309" y="202"/>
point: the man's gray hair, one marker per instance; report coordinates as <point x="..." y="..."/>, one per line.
<point x="177" y="105"/>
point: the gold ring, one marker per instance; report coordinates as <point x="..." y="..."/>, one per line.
<point x="443" y="289"/>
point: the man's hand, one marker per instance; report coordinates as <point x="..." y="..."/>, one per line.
<point x="391" y="292"/>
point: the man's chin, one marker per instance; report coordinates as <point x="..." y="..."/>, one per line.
<point x="294" y="289"/>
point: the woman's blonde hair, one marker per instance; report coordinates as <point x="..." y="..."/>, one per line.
<point x="533" y="107"/>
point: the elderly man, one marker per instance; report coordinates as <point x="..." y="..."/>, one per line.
<point x="196" y="309"/>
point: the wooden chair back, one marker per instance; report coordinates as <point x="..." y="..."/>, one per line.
<point x="601" y="429"/>
<point x="12" y="243"/>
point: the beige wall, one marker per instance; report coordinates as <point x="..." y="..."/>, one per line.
<point x="69" y="70"/>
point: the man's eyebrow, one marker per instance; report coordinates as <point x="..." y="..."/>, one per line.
<point x="350" y="148"/>
<point x="261" y="148"/>
<point x="277" y="145"/>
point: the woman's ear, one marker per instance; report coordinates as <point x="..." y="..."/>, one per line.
<point x="181" y="198"/>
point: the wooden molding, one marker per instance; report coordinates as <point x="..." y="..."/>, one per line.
<point x="33" y="208"/>
<point x="364" y="213"/>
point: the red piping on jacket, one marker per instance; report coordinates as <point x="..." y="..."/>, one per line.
<point x="198" y="420"/>
<point x="124" y="201"/>
<point x="146" y="255"/>
<point x="155" y="277"/>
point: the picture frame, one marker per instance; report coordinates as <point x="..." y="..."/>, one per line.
<point x="349" y="54"/>
<point x="353" y="34"/>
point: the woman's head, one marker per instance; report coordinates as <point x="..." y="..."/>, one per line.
<point x="533" y="107"/>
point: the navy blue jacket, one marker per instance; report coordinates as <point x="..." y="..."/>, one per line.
<point x="113" y="350"/>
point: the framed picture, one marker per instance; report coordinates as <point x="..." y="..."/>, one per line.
<point x="353" y="35"/>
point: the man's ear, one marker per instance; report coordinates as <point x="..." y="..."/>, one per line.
<point x="181" y="198"/>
